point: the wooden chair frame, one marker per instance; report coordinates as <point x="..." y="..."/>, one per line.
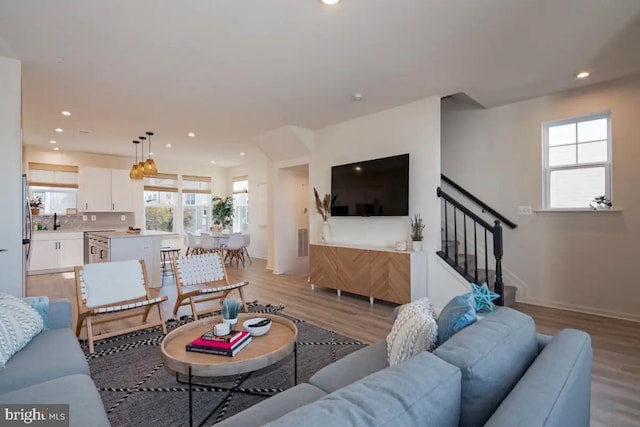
<point x="87" y="313"/>
<point x="207" y="292"/>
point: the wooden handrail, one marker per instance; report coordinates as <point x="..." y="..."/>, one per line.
<point x="479" y="202"/>
<point x="441" y="193"/>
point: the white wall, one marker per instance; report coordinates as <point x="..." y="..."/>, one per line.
<point x="10" y="175"/>
<point x="579" y="261"/>
<point x="415" y="129"/>
<point x="257" y="169"/>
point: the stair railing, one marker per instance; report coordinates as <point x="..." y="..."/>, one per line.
<point x="479" y="202"/>
<point x="486" y="229"/>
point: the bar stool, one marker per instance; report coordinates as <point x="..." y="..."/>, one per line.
<point x="167" y="254"/>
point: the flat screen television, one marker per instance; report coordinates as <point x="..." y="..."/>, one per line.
<point x="377" y="187"/>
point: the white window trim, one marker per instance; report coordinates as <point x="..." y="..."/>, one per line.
<point x="546" y="169"/>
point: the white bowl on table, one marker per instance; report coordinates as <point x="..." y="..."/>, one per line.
<point x="256" y="331"/>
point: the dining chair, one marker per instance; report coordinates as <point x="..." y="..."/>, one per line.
<point x="208" y="244"/>
<point x="247" y="241"/>
<point x="193" y="244"/>
<point x="234" y="248"/>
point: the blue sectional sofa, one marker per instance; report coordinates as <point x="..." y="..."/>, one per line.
<point x="52" y="369"/>
<point x="497" y="372"/>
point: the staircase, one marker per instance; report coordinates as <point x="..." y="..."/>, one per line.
<point x="472" y="246"/>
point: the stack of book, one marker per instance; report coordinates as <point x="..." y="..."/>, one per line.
<point x="224" y="345"/>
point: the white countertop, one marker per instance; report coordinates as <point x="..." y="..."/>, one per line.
<point x="365" y="247"/>
<point x="124" y="234"/>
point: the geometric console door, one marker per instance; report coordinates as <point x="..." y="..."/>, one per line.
<point x="378" y="273"/>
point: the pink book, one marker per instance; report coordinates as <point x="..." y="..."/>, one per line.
<point x="217" y="344"/>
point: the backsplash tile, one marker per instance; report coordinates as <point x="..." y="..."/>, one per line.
<point x="105" y="220"/>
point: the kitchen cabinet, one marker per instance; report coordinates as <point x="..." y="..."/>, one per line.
<point x="55" y="251"/>
<point x="105" y="190"/>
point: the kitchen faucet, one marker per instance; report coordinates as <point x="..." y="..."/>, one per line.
<point x="55" y="221"/>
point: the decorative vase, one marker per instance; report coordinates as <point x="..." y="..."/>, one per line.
<point x="326" y="232"/>
<point x="35" y="211"/>
<point x="417" y="245"/>
<point x="232" y="323"/>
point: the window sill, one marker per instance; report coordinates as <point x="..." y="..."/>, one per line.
<point x="596" y="211"/>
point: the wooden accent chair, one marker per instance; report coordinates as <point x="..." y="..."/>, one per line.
<point x="206" y="276"/>
<point x="114" y="287"/>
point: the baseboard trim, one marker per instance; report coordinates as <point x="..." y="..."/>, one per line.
<point x="584" y="310"/>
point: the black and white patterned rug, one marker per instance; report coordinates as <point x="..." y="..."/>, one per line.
<point x="137" y="390"/>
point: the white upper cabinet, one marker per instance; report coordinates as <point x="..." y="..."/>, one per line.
<point x="121" y="191"/>
<point x="105" y="190"/>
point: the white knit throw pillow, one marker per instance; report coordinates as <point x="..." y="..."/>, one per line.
<point x="19" y="323"/>
<point x="414" y="331"/>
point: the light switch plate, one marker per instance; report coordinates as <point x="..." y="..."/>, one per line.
<point x="93" y="217"/>
<point x="525" y="210"/>
<point x="84" y="218"/>
<point x="123" y="217"/>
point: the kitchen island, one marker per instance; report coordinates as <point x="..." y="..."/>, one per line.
<point x="122" y="246"/>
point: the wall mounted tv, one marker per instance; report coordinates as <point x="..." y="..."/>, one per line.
<point x="371" y="188"/>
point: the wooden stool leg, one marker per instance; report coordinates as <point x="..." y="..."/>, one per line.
<point x="90" y="335"/>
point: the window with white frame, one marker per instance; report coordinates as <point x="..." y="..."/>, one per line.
<point x="55" y="186"/>
<point x="160" y="200"/>
<point x="577" y="161"/>
<point x="240" y="204"/>
<point x="196" y="199"/>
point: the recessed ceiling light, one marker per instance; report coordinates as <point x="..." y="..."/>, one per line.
<point x="56" y="148"/>
<point x="357" y="96"/>
<point x="52" y="142"/>
<point x="582" y="75"/>
<point x="242" y="154"/>
<point x="168" y="145"/>
<point x="59" y="130"/>
<point x="330" y="2"/>
<point x="213" y="161"/>
<point x="151" y="154"/>
<point x="66" y="113"/>
<point x="191" y="134"/>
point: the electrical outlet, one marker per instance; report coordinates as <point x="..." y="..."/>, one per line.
<point x="525" y="210"/>
<point x="123" y="217"/>
<point x="84" y="218"/>
<point x="93" y="217"/>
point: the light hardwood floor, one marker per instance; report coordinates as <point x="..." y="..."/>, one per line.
<point x="616" y="343"/>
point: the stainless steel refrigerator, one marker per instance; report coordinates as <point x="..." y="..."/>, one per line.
<point x="26" y="232"/>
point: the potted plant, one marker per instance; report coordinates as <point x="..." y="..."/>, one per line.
<point x="35" y="204"/>
<point x="324" y="209"/>
<point x="417" y="227"/>
<point x="222" y="211"/>
<point x="601" y="203"/>
<point x="230" y="310"/>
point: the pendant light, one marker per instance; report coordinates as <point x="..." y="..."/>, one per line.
<point x="150" y="168"/>
<point x="141" y="163"/>
<point x="135" y="172"/>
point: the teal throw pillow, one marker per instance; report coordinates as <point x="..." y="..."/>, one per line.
<point x="459" y="313"/>
<point x="41" y="305"/>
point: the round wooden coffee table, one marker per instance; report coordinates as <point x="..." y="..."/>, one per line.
<point x="261" y="352"/>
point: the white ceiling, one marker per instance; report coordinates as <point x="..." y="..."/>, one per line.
<point x="231" y="69"/>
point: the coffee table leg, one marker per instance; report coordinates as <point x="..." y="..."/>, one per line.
<point x="190" y="400"/>
<point x="295" y="363"/>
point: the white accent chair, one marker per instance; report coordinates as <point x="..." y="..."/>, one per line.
<point x="114" y="287"/>
<point x="205" y="278"/>
<point x="209" y="244"/>
<point x="193" y="244"/>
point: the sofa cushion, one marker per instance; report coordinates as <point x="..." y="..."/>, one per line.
<point x="85" y="404"/>
<point x="19" y="323"/>
<point x="459" y="313"/>
<point x="351" y="368"/>
<point x="274" y="407"/>
<point x="423" y="391"/>
<point x="492" y="354"/>
<point x="414" y="331"/>
<point x="556" y="389"/>
<point x="51" y="354"/>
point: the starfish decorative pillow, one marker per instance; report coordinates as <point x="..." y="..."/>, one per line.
<point x="483" y="297"/>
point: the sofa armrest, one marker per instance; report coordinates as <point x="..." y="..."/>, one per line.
<point x="59" y="313"/>
<point x="556" y="389"/>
